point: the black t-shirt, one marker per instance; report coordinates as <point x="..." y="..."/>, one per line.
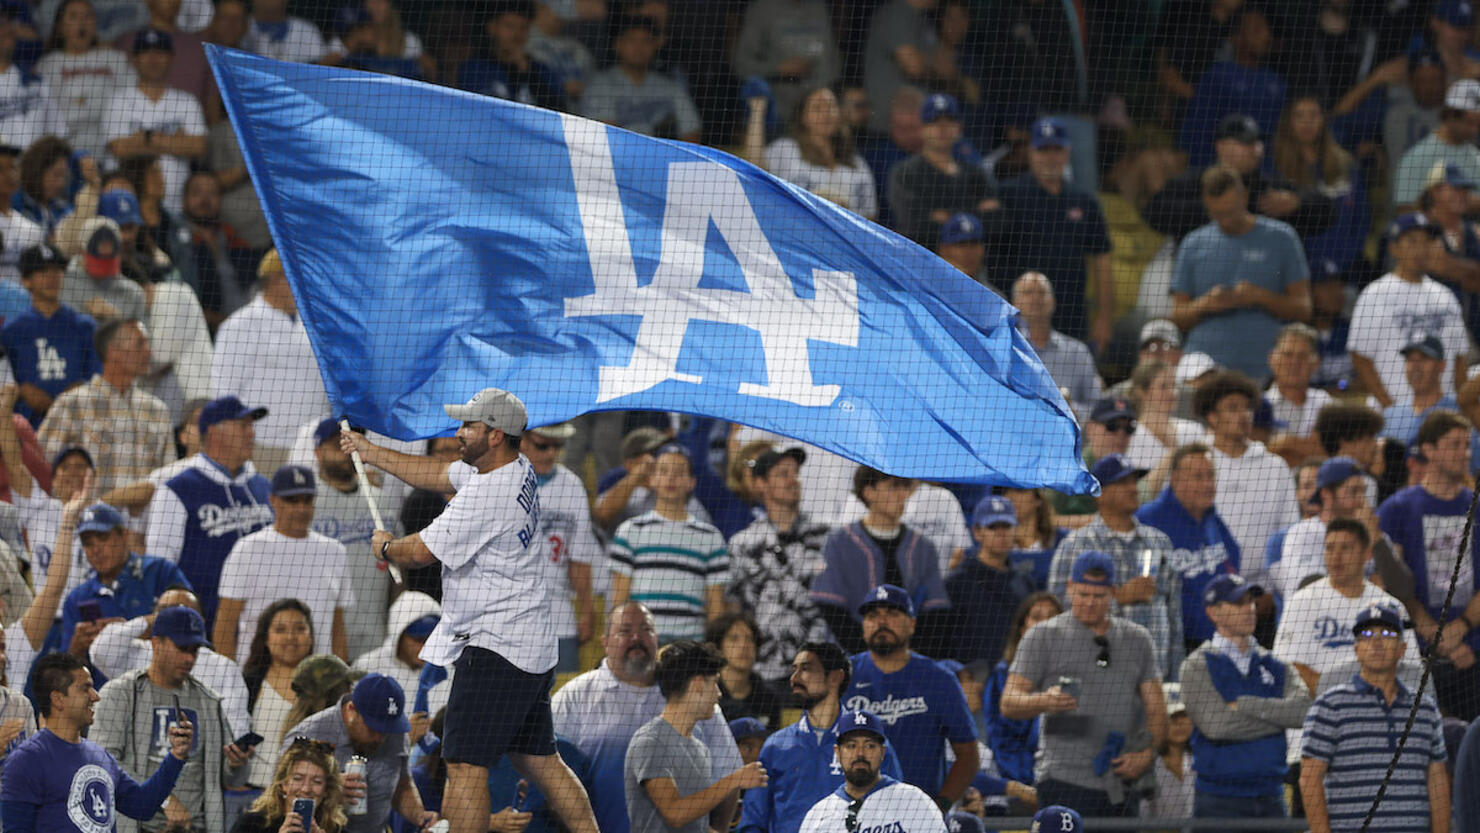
<point x="762" y="703"/>
<point x="890" y="546"/>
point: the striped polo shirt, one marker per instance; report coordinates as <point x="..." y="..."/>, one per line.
<point x="671" y="564"/>
<point x="1353" y="729"/>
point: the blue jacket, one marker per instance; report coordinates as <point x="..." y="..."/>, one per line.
<point x="143" y="580"/>
<point x="803" y="770"/>
<point x="1200" y="550"/>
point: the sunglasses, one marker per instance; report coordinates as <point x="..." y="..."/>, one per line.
<point x="322" y="747"/>
<point x="1370" y="633"/>
<point x="1121" y="426"/>
<point x="1103" y="660"/>
<point x="545" y="445"/>
<point x="851" y="822"/>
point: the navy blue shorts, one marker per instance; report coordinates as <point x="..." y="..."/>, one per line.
<point x="496" y="708"/>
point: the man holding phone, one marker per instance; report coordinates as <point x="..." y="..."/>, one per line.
<point x="1100" y="735"/>
<point x="136" y="711"/>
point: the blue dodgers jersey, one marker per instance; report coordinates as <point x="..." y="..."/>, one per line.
<point x="922" y="707"/>
<point x="51" y="353"/>
<point x="73" y="784"/>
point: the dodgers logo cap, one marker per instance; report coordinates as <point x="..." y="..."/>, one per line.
<point x="1056" y="818"/>
<point x="859" y="721"/>
<point x="381" y="704"/>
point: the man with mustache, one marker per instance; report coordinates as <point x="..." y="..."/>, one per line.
<point x="602" y="709"/>
<point x="869" y="801"/>
<point x="921" y="703"/>
<point x="800" y="758"/>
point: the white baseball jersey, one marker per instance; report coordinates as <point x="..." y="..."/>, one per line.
<point x="565" y="517"/>
<point x="890" y="807"/>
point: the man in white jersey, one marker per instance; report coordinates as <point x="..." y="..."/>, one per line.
<point x="868" y="801"/>
<point x="496" y="628"/>
<point x="565" y="515"/>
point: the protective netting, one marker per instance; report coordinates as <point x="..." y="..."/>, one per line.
<point x="1074" y="394"/>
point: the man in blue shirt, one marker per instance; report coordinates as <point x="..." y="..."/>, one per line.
<point x="1203" y="546"/>
<point x="1426" y="524"/>
<point x="986" y="588"/>
<point x="123" y="584"/>
<point x="1244" y="85"/>
<point x="921" y="703"/>
<point x="1049" y="226"/>
<point x="1238" y="279"/>
<point x="799" y="758"/>
<point x="59" y="781"/>
<point x="50" y="345"/>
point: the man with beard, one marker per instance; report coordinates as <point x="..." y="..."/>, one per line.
<point x="601" y="710"/>
<point x="869" y="800"/>
<point x="211" y="257"/>
<point x="921" y="703"/>
<point x="800" y="759"/>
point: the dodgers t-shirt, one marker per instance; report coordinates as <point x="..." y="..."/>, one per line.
<point x="922" y="707"/>
<point x="1429" y="529"/>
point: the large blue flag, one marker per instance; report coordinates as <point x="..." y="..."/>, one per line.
<point x="439" y="242"/>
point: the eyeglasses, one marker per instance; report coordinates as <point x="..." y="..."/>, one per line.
<point x="1103" y="660"/>
<point x="322" y="747"/>
<point x="851" y="822"/>
<point x="1370" y="633"/>
<point x="545" y="445"/>
<point x="1121" y="426"/>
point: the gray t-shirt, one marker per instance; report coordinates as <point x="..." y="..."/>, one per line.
<point x="894" y="25"/>
<point x="78" y="289"/>
<point x="345" y="517"/>
<point x="383" y="770"/>
<point x="139" y="738"/>
<point x="659" y="106"/>
<point x="1109" y="698"/>
<point x="659" y="751"/>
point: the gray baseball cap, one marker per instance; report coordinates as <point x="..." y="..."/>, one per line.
<point x="493" y="407"/>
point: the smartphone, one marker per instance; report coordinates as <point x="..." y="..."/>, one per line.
<point x="303" y="808"/>
<point x="247" y="741"/>
<point x="521" y="791"/>
<point x="90" y="610"/>
<point x="175" y="718"/>
<point x="1070" y="686"/>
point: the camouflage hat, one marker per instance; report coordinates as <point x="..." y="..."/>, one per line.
<point x="319" y="673"/>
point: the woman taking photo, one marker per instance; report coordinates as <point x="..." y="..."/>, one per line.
<point x="306" y="770"/>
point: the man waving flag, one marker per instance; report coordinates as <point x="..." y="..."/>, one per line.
<point x="439" y="242"/>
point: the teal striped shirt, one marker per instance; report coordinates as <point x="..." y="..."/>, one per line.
<point x="672" y="564"/>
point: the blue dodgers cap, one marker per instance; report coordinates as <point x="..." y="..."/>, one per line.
<point x="1113" y="468"/>
<point x="887" y="595"/>
<point x="859" y="721"/>
<point x="1333" y="473"/>
<point x="940" y="106"/>
<point x="1112" y="408"/>
<point x="182" y="626"/>
<point x="423" y="627"/>
<point x="747" y="727"/>
<point x="1229" y="587"/>
<point x="994" y="509"/>
<point x="153" y="40"/>
<point x="1429" y="345"/>
<point x="1380" y="613"/>
<point x="381" y="704"/>
<point x="226" y="408"/>
<point x="1457" y="13"/>
<point x="960" y="822"/>
<point x="100" y="517"/>
<point x="290" y="481"/>
<point x="961" y="228"/>
<point x="326" y="430"/>
<point x="1412" y="221"/>
<point x="1056" y="818"/>
<point x="1093" y="561"/>
<point x="1049" y="133"/>
<point x="120" y="206"/>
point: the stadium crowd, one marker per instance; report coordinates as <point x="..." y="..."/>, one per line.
<point x="1253" y="221"/>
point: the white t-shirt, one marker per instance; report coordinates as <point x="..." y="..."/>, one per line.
<point x="494" y="578"/>
<point x="41" y="517"/>
<point x="19" y="233"/>
<point x="83" y="85"/>
<point x="267" y="720"/>
<point x="1299" y="420"/>
<point x="302" y="43"/>
<point x="1392" y="313"/>
<point x="1146" y="451"/>
<point x="1256" y="498"/>
<point x="27" y="109"/>
<point x="267" y="565"/>
<point x="264" y="357"/>
<point x="1303" y="554"/>
<point x="851" y="187"/>
<point x="895" y="808"/>
<point x="176" y="112"/>
<point x="19" y="655"/>
<point x="565" y="517"/>
<point x="931" y="511"/>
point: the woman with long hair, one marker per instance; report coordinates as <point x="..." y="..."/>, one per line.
<point x="47" y="185"/>
<point x="1014" y="742"/>
<point x="1307" y="155"/>
<point x="817" y="153"/>
<point x="83" y="73"/>
<point x="306" y="770"/>
<point x="1175" y="779"/>
<point x="284" y="636"/>
<point x="1037" y="533"/>
<point x="1154" y="393"/>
